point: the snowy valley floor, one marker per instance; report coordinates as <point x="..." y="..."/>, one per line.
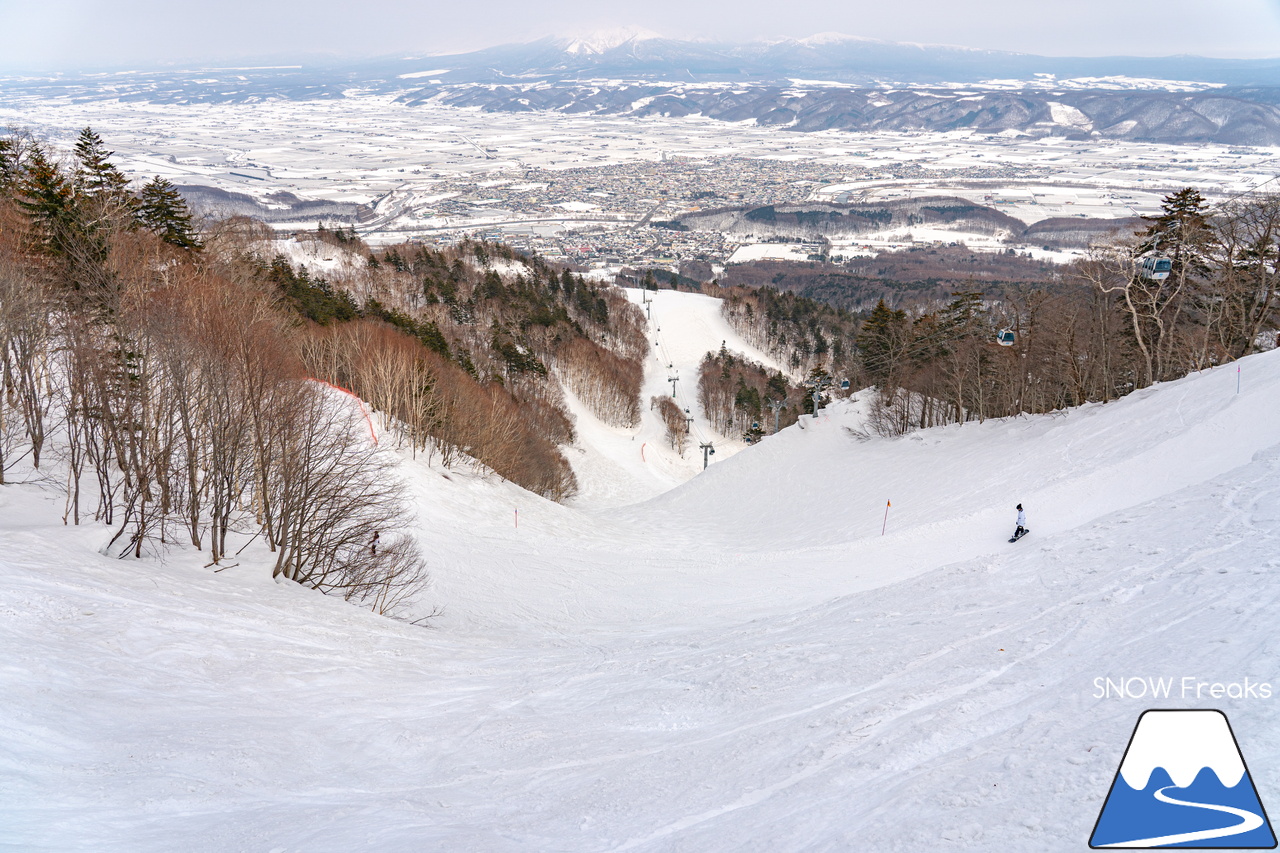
<point x="740" y="663"/>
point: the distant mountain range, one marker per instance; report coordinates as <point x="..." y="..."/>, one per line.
<point x="818" y="220"/>
<point x="1227" y="116"/>
<point x="830" y="56"/>
<point x="823" y="82"/>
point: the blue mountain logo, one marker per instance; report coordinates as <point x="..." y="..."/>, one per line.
<point x="1183" y="783"/>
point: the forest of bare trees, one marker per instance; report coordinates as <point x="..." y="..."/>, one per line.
<point x="168" y="392"/>
<point x="676" y="421"/>
<point x="189" y="388"/>
<point x="506" y="337"/>
<point x="1094" y="331"/>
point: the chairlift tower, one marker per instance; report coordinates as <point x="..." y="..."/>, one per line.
<point x="776" y="405"/>
<point x="673" y="379"/>
<point x="818" y="385"/>
<point x="707" y="451"/>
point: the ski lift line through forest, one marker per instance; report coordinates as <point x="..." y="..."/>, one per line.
<point x="667" y="362"/>
<point x="943" y="334"/>
<point x="695" y="431"/>
<point x="1155" y="266"/>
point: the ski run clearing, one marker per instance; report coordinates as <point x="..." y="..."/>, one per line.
<point x="729" y="660"/>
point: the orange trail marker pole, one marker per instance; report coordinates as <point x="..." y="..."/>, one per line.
<point x="885" y="526"/>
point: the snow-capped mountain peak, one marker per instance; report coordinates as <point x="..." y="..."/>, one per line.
<point x="819" y="39"/>
<point x="601" y="41"/>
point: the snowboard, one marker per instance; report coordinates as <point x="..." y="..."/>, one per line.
<point x="1024" y="532"/>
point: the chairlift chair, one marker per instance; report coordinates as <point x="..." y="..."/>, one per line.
<point x="1006" y="338"/>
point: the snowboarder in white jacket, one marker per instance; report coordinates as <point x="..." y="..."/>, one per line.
<point x="1022" y="523"/>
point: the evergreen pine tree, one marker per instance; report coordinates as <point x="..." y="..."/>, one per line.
<point x="162" y="210"/>
<point x="49" y="198"/>
<point x="1186" y="206"/>
<point x="882" y="340"/>
<point x="1181" y="232"/>
<point x="778" y="387"/>
<point x="96" y="176"/>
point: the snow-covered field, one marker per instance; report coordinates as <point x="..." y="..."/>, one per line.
<point x="770" y="251"/>
<point x="404" y="160"/>
<point x="741" y="662"/>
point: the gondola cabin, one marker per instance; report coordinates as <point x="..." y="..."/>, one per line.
<point x="1155" y="267"/>
<point x="1006" y="338"/>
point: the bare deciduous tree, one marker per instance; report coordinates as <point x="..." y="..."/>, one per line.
<point x="333" y="496"/>
<point x="1248" y="265"/>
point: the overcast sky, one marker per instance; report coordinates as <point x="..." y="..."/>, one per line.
<point x="73" y="34"/>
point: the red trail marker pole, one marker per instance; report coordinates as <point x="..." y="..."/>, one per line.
<point x="885" y="526"/>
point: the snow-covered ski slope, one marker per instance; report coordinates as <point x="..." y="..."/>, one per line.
<point x="622" y="466"/>
<point x="741" y="663"/>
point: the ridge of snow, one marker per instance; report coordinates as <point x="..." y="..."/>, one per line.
<point x="432" y="72"/>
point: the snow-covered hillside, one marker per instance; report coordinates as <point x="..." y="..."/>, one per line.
<point x="622" y="466"/>
<point x="743" y="662"/>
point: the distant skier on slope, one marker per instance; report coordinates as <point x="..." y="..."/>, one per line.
<point x="1022" y="525"/>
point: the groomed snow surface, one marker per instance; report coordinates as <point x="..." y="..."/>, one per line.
<point x="740" y="662"/>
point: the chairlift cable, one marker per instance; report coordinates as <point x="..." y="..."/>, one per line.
<point x="1243" y="193"/>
